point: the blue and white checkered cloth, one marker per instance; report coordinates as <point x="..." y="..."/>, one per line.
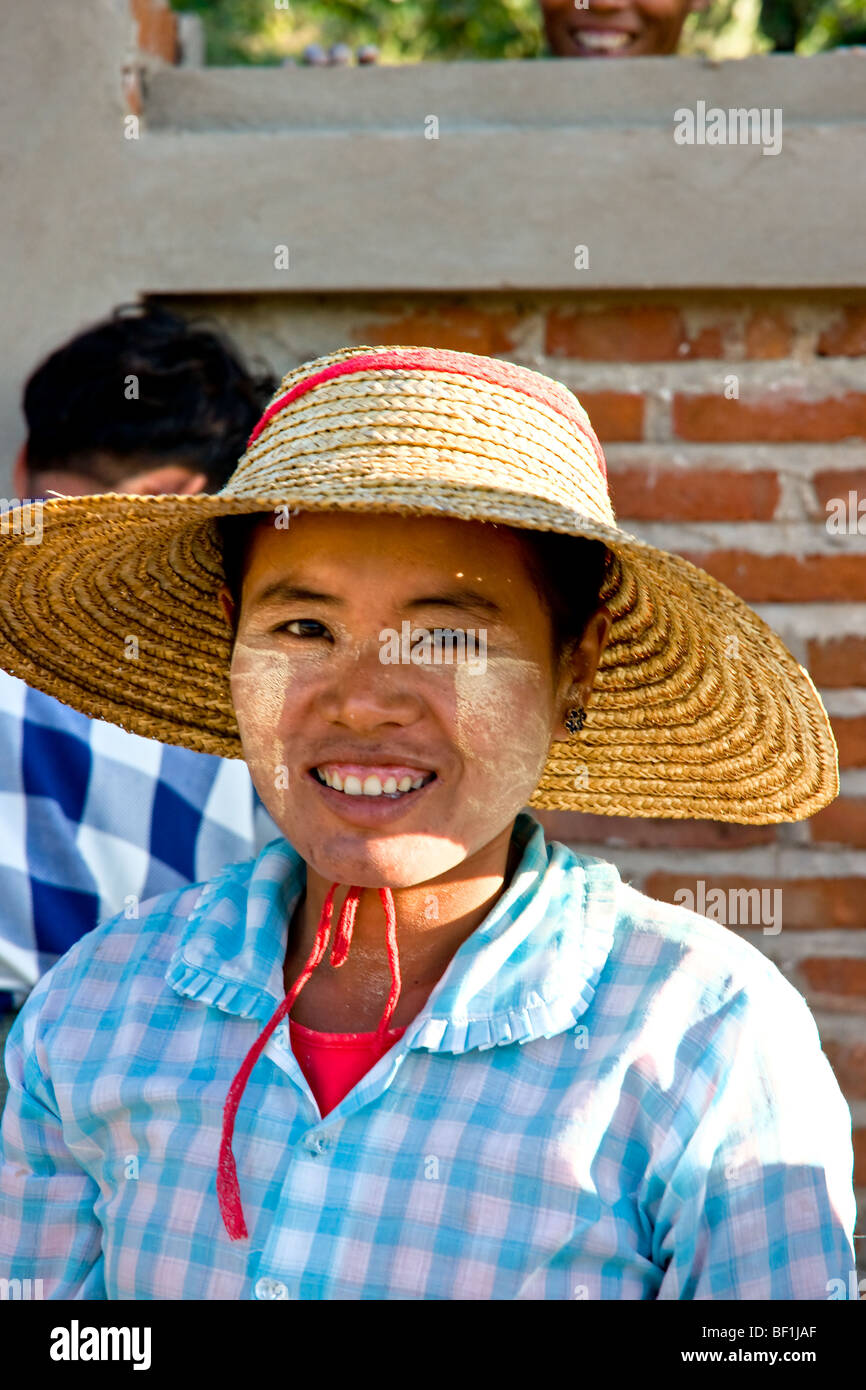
<point x="604" y="1097"/>
<point x="94" y="820"/>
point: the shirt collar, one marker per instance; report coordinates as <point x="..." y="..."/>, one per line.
<point x="529" y="970"/>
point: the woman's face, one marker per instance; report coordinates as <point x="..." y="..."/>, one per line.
<point x="615" y="28"/>
<point x="324" y="685"/>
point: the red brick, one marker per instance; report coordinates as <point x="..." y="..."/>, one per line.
<point x="838" y="662"/>
<point x="838" y="482"/>
<point x="776" y="419"/>
<point x="157" y="28"/>
<point x="841" y="976"/>
<point x="709" y="342"/>
<point x="767" y="335"/>
<point x="846" y="336"/>
<point x="849" y="1064"/>
<point x="639" y="334"/>
<point x="786" y="578"/>
<point x="694" y="495"/>
<point x="808" y="904"/>
<point x="843" y="822"/>
<point x="851" y="739"/>
<point x="576" y="827"/>
<point x="615" y="415"/>
<point x="132" y="89"/>
<point x="460" y="327"/>
<point x="859" y="1144"/>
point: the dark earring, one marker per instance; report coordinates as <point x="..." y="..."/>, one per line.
<point x="575" y="720"/>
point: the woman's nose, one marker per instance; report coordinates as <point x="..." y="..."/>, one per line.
<point x="367" y="690"/>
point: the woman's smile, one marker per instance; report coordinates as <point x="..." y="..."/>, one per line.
<point x="379" y="799"/>
<point x="368" y="779"/>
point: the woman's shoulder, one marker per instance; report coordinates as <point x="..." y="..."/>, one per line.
<point x="674" y="945"/>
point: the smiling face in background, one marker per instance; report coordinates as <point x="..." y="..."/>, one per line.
<point x="311" y="692"/>
<point x="616" y="28"/>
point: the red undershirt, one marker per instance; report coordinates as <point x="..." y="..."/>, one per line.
<point x="335" y="1062"/>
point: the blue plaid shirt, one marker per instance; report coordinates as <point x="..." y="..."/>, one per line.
<point x="94" y="820"/>
<point x="603" y="1097"/>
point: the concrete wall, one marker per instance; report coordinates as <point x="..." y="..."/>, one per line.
<point x="66" y="227"/>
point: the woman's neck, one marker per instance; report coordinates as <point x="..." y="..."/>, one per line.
<point x="433" y="921"/>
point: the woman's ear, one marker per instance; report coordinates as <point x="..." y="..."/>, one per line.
<point x="581" y="668"/>
<point x="169" y="477"/>
<point x="227" y="604"/>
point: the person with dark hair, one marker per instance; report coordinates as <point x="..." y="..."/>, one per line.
<point x="143" y="402"/>
<point x="95" y="819"/>
<point x="530" y="1080"/>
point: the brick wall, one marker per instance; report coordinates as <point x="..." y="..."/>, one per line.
<point x="728" y="422"/>
<point x="155" y="28"/>
<point x="154" y="38"/>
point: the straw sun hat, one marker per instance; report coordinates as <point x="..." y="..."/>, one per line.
<point x="698" y="709"/>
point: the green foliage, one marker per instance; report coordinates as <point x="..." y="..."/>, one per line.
<point x="230" y="26"/>
<point x="418" y="30"/>
<point x="253" y="31"/>
<point x="783" y="21"/>
<point x="725" y="29"/>
<point x="807" y="26"/>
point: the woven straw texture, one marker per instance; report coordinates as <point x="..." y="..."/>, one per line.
<point x="698" y="711"/>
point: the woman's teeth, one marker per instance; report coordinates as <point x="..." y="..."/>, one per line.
<point x="371" y="785"/>
<point x="604" y="41"/>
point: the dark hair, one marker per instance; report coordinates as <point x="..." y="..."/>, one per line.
<point x="233" y="535"/>
<point x="195" y="402"/>
<point x="554" y="561"/>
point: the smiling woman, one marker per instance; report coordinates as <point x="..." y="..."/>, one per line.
<point x="616" y="28"/>
<point x="538" y="1081"/>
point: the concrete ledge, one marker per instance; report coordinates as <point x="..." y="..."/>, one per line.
<point x="543" y="92"/>
<point x="532" y="160"/>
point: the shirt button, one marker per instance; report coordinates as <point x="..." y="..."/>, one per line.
<point x="316" y="1144"/>
<point x="271" y="1288"/>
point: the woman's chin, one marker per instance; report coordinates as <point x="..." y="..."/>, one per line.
<point x="395" y="860"/>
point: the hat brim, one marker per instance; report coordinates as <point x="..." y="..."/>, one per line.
<point x="698" y="710"/>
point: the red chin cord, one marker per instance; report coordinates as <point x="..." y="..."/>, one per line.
<point x="228" y="1191"/>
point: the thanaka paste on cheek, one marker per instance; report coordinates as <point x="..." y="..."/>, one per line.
<point x="501" y="730"/>
<point x="262" y="680"/>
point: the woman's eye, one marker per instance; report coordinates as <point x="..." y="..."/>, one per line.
<point x="305" y="624"/>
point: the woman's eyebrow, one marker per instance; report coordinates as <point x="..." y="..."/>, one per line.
<point x="286" y="591"/>
<point x="470" y="599"/>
